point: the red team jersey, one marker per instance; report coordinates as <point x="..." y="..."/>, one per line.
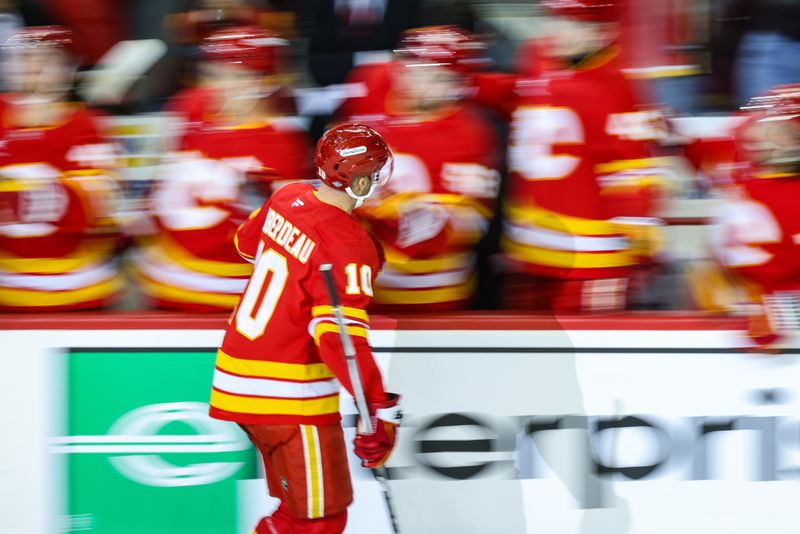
<point x="437" y="206"/>
<point x="372" y="85"/>
<point x="56" y="250"/>
<point x="198" y="205"/>
<point x="279" y="149"/>
<point x="192" y="105"/>
<point x="281" y="360"/>
<point x="759" y="236"/>
<point x="578" y="157"/>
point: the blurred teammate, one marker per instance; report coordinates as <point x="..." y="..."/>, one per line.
<point x="280" y="366"/>
<point x="759" y="222"/>
<point x="221" y="89"/>
<point x="577" y="216"/>
<point x="57" y="235"/>
<point x="373" y="85"/>
<point x="241" y="145"/>
<point x="440" y="200"/>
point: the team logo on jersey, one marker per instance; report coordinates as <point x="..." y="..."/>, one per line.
<point x="352" y="151"/>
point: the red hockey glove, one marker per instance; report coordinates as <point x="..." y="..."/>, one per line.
<point x="374" y="449"/>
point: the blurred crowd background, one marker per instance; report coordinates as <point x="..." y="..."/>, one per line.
<point x="569" y="156"/>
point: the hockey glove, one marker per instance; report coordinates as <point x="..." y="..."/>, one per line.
<point x="374" y="449"/>
<point x="645" y="235"/>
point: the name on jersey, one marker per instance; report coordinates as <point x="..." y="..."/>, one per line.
<point x="288" y="236"/>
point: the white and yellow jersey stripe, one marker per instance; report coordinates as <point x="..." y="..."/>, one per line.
<point x="260" y="387"/>
<point x="543" y="238"/>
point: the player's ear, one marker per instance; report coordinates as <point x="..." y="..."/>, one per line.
<point x="361" y="185"/>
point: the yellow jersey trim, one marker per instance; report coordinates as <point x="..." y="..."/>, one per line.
<point x="543" y="218"/>
<point x="275" y="370"/>
<point x="664" y="72"/>
<point x="262" y="406"/>
<point x="770" y="175"/>
<point x="598" y="59"/>
<point x="86" y="254"/>
<point x="178" y="294"/>
<point x="239" y="250"/>
<point x="427" y="296"/>
<point x="324" y="328"/>
<point x="566" y="259"/>
<point x="631" y="164"/>
<point x="635" y="183"/>
<point x="178" y="254"/>
<point x="406" y="264"/>
<point x="392" y="206"/>
<point x="313" y="463"/>
<point x="34" y="299"/>
<point x="355" y="313"/>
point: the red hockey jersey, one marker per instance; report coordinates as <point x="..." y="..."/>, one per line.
<point x="192" y="105"/>
<point x="759" y="232"/>
<point x="281" y="359"/>
<point x="371" y="85"/>
<point x="578" y="157"/>
<point x="58" y="238"/>
<point x="434" y="209"/>
<point x="198" y="205"/>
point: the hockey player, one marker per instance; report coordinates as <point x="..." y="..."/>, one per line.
<point x="372" y="85"/>
<point x="57" y="235"/>
<point x="281" y="363"/>
<point x="577" y="213"/>
<point x="759" y="222"/>
<point x="441" y="198"/>
<point x="242" y="146"/>
<point x="240" y="68"/>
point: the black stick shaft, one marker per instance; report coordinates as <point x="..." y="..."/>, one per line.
<point x="381" y="474"/>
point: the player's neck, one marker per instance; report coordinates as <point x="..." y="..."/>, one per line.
<point x="340" y="199"/>
<point x="411" y="110"/>
<point x="260" y="112"/>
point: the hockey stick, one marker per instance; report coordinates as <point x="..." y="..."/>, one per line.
<point x="358" y="388"/>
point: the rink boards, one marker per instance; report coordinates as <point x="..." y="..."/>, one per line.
<point x="105" y="428"/>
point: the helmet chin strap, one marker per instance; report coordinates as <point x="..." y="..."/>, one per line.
<point x="360" y="198"/>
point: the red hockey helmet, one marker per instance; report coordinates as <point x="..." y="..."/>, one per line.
<point x="779" y="103"/>
<point x="349" y="151"/>
<point x="41" y="64"/>
<point x="247" y="46"/>
<point x="448" y="46"/>
<point x="771" y="134"/>
<point x="58" y="37"/>
<point x="588" y="10"/>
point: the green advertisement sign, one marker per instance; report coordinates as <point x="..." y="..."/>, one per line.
<point x="142" y="455"/>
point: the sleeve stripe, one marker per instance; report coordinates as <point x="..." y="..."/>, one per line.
<point x="242" y="254"/>
<point x="323" y="328"/>
<point x="245" y="255"/>
<point x="254" y="214"/>
<point x="631" y="164"/>
<point x="355" y="313"/>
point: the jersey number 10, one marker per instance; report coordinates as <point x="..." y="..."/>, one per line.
<point x="252" y="316"/>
